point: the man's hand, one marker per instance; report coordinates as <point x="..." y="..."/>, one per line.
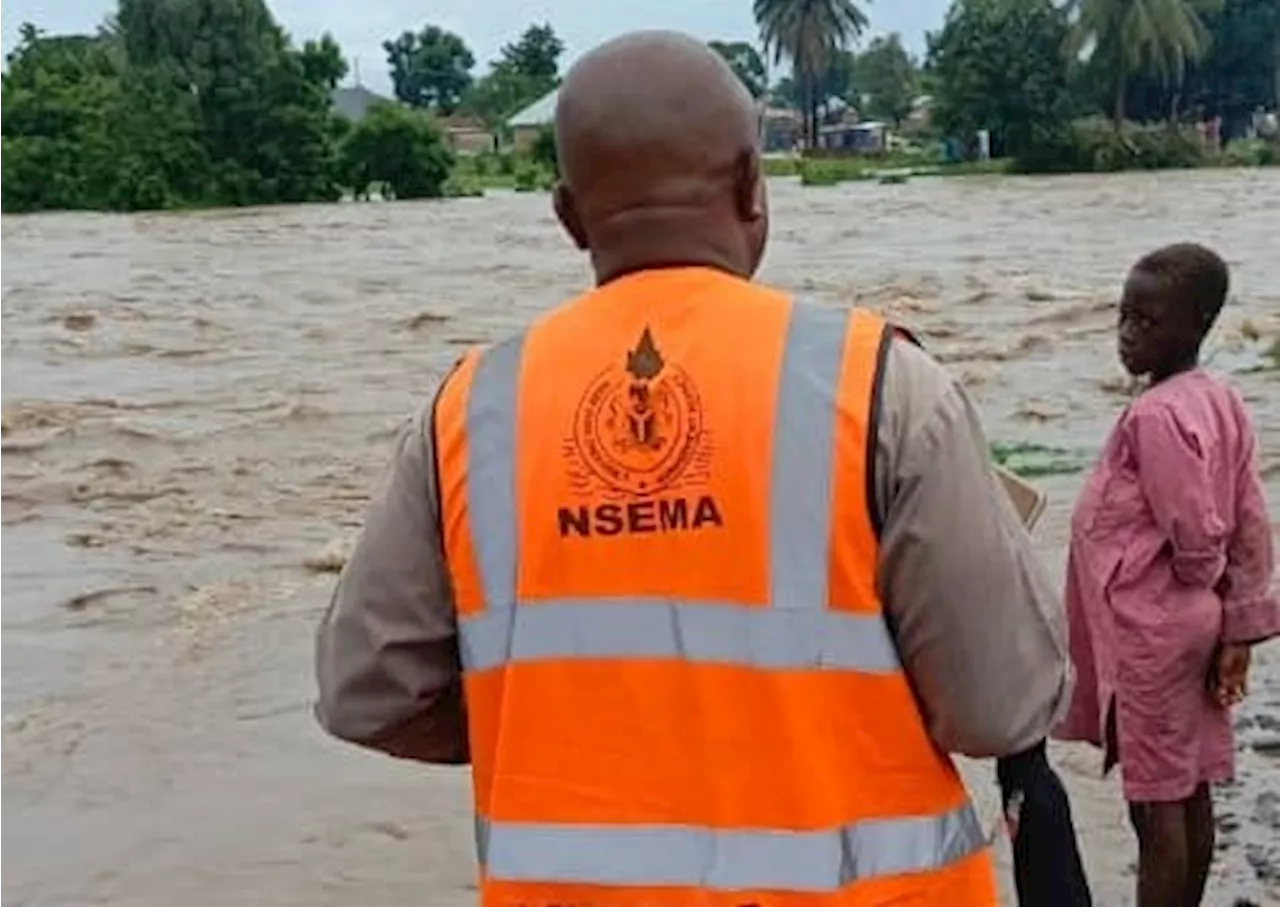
<point x="1228" y="680"/>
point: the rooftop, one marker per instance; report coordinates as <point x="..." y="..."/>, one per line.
<point x="354" y="101"/>
<point x="539" y="113"/>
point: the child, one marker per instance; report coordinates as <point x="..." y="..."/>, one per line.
<point x="1169" y="575"/>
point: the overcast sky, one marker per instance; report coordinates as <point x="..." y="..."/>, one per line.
<point x="360" y="26"/>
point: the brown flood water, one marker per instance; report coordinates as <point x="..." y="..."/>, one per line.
<point x="197" y="406"/>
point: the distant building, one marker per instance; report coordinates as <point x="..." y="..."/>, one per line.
<point x="921" y="116"/>
<point x="465" y="134"/>
<point x="354" y="101"/>
<point x="527" y="123"/>
<point x="468" y="134"/>
<point x="781" y="129"/>
<point x="857" y="138"/>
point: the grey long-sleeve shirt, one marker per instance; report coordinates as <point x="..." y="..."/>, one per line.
<point x="978" y="626"/>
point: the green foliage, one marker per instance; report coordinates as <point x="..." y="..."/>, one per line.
<point x="746" y="63"/>
<point x="1250" y="153"/>
<point x="401" y="148"/>
<point x="828" y="172"/>
<point x="1160" y="37"/>
<point x="1094" y="145"/>
<point x="536" y="54"/>
<point x="817" y="170"/>
<point x="1032" y="460"/>
<point x="430" y="69"/>
<point x="543" y="150"/>
<point x="528" y="178"/>
<point x="886" y="76"/>
<point x="998" y="65"/>
<point x="810" y="33"/>
<point x="168" y="108"/>
<point x="523" y="73"/>
<point x="1236" y="75"/>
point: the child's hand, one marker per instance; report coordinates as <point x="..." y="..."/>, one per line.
<point x="1230" y="674"/>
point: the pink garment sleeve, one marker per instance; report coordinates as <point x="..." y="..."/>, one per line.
<point x="1251" y="612"/>
<point x="1174" y="475"/>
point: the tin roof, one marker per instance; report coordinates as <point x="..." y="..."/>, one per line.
<point x="539" y="113"/>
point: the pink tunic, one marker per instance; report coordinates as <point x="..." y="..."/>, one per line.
<point x="1171" y="554"/>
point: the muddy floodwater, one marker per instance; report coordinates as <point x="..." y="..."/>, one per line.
<point x="197" y="406"/>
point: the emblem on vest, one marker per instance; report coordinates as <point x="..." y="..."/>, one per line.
<point x="640" y="449"/>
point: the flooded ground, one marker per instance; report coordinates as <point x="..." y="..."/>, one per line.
<point x="196" y="407"/>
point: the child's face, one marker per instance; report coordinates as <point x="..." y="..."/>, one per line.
<point x="1158" y="335"/>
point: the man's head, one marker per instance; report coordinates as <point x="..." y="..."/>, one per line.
<point x="1171" y="299"/>
<point x="658" y="147"/>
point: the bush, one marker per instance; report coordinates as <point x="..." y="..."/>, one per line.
<point x="1250" y="153"/>
<point x="401" y="147"/>
<point x="457" y="186"/>
<point x="1094" y="145"/>
<point x="830" y="171"/>
<point x="532" y="178"/>
<point x="543" y="149"/>
<point x="781" y="166"/>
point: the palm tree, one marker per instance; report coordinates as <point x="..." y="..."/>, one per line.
<point x="809" y="33"/>
<point x="1132" y="36"/>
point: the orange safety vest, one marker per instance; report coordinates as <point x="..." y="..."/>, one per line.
<point x="680" y="686"/>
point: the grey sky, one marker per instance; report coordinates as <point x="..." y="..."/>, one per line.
<point x="360" y="27"/>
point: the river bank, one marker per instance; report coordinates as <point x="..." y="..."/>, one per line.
<point x="196" y="407"/>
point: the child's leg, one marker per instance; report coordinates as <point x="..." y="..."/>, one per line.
<point x="1163" y="860"/>
<point x="1200" y="840"/>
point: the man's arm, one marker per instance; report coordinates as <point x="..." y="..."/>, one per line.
<point x="386" y="652"/>
<point x="978" y="625"/>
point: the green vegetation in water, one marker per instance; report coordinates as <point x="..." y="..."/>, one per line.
<point x="1031" y="460"/>
<point x="831" y="171"/>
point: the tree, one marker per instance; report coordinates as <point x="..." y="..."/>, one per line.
<point x="265" y="125"/>
<point x="999" y="65"/>
<point x="1237" y="75"/>
<point x="536" y="54"/>
<point x="323" y="63"/>
<point x="809" y="33"/>
<point x="524" y="72"/>
<point x="886" y="76"/>
<point x="746" y="63"/>
<point x="1241" y="71"/>
<point x="1131" y="37"/>
<point x="430" y="69"/>
<point x="401" y="147"/>
<point x="170" y="104"/>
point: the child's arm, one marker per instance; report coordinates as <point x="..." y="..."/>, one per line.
<point x="1174" y="475"/>
<point x="1251" y="613"/>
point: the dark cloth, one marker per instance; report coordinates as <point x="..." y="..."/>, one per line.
<point x="1046" y="860"/>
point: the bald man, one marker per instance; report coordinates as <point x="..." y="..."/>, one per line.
<point x="704" y="582"/>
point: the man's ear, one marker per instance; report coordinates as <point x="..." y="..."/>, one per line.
<point x="567" y="212"/>
<point x="748" y="185"/>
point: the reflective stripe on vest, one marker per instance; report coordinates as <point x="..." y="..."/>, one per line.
<point x="816" y="861"/>
<point x="797" y="630"/>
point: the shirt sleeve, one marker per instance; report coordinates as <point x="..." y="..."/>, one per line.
<point x="1174" y="474"/>
<point x="387" y="661"/>
<point x="980" y="629"/>
<point x="1251" y="610"/>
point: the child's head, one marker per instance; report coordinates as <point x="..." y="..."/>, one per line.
<point x="1171" y="299"/>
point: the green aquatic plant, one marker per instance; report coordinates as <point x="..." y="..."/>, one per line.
<point x="1031" y="460"/>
